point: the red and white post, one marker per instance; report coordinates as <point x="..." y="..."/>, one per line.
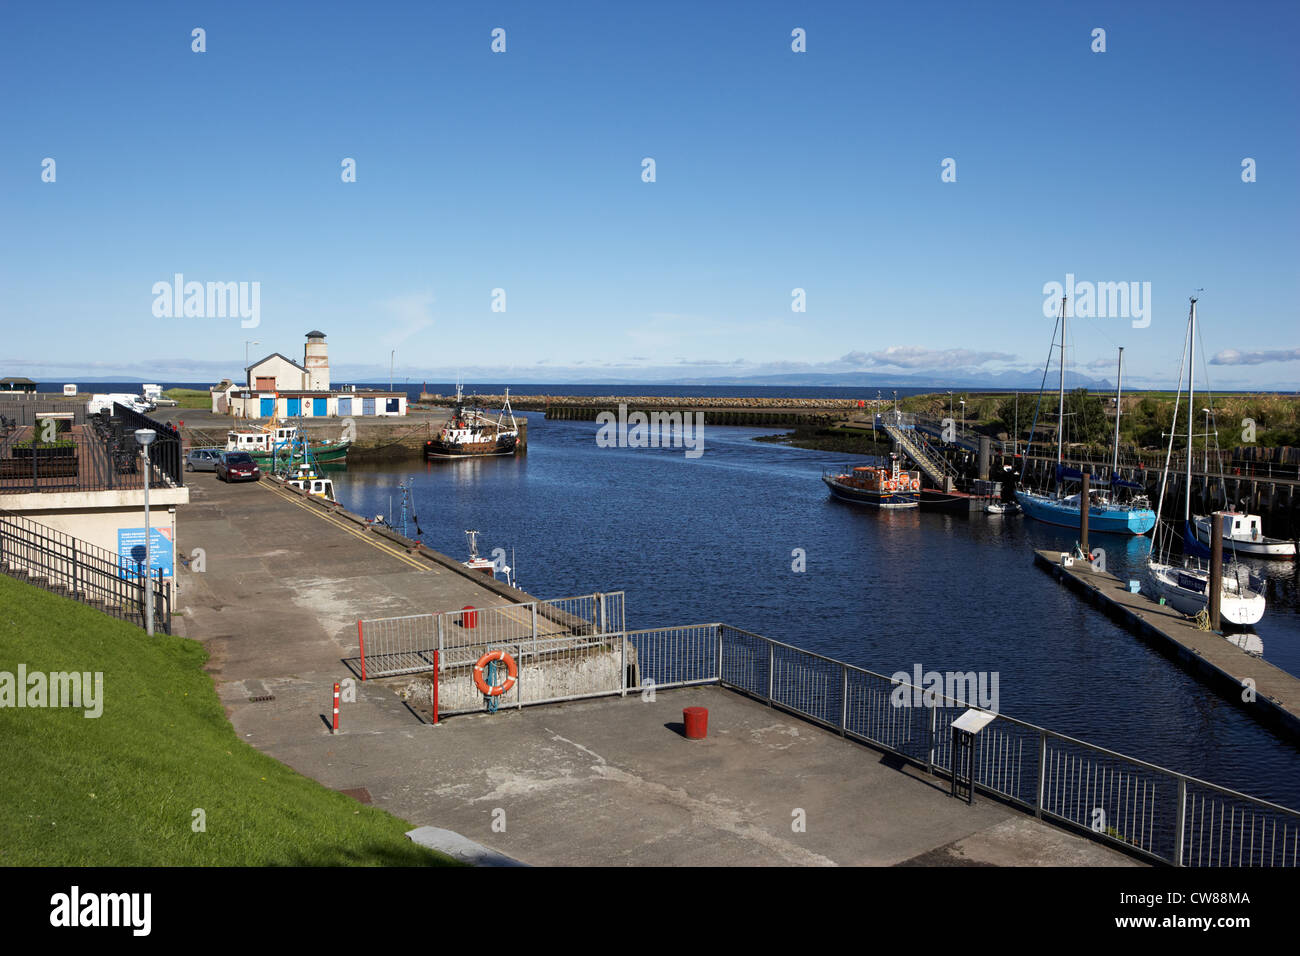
<point x="437" y="676"/>
<point x="335" y="729"/>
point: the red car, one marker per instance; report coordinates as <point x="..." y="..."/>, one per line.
<point x="238" y="466"/>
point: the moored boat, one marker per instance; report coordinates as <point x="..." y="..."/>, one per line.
<point x="276" y="445"/>
<point x="1186" y="587"/>
<point x="1245" y="534"/>
<point x="1106" y="513"/>
<point x="471" y="433"/>
<point x="878" y="486"/>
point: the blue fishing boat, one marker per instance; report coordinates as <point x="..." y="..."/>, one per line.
<point x="1106" y="513"/>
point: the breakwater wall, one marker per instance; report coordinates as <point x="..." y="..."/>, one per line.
<point x="773" y="415"/>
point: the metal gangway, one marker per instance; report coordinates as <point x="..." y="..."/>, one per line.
<point x="935" y="467"/>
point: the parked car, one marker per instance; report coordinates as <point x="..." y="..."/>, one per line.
<point x="202" y="459"/>
<point x="237" y="466"/>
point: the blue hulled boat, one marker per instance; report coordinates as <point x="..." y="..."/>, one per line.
<point x="1102" y="515"/>
<point x="1105" y="512"/>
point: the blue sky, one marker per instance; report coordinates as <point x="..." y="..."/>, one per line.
<point x="522" y="171"/>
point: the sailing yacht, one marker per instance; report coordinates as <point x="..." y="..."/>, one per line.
<point x="1186" y="587"/>
<point x="1105" y="513"/>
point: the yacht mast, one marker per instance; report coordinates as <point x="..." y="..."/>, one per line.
<point x="1191" y="404"/>
<point x="1119" y="395"/>
<point x="1060" y="406"/>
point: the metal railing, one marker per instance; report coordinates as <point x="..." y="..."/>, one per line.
<point x="63" y="564"/>
<point x="101" y="455"/>
<point x="396" y="646"/>
<point x="1148" y="810"/>
<point x="166" y="458"/>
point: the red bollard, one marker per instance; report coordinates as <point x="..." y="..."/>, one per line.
<point x="696" y="720"/>
<point x="469" y="616"/>
<point x="336" y="708"/>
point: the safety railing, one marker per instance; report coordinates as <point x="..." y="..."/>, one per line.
<point x="1146" y="809"/>
<point x="63" y="564"/>
<point x="395" y="646"/>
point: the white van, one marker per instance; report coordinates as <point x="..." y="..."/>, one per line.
<point x="105" y="402"/>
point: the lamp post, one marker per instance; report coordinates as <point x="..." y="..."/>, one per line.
<point x="963" y="418"/>
<point x="247" y="343"/>
<point x="145" y="437"/>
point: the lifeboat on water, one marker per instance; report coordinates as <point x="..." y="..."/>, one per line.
<point x="878" y="486"/>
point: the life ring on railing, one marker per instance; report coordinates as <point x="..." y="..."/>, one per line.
<point x="512" y="673"/>
<point x="891" y="485"/>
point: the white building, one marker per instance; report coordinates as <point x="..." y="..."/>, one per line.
<point x="278" y="386"/>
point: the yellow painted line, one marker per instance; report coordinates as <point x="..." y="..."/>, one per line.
<point x="355" y="532"/>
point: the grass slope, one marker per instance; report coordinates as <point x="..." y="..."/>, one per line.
<point x="120" y="789"/>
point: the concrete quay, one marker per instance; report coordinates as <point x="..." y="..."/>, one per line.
<point x="598" y="782"/>
<point x="377" y="439"/>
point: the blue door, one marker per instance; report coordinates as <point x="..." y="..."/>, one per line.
<point x="295" y="407"/>
<point x="268" y="408"/>
<point x="345" y="406"/>
<point x="367" y="406"/>
<point x="319" y="406"/>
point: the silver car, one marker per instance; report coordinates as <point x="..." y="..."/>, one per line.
<point x="203" y="459"/>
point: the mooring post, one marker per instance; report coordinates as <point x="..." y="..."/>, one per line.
<point x="1216" y="569"/>
<point x="1083" y="518"/>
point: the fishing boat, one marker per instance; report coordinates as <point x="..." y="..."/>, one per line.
<point x="1105" y="512"/>
<point x="472" y="433"/>
<point x="1186" y="586"/>
<point x="297" y="467"/>
<point x="1246" y="535"/>
<point x="272" y="445"/>
<point x="304" y="477"/>
<point x="878" y="486"/>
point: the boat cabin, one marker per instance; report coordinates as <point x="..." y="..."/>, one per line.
<point x="262" y="440"/>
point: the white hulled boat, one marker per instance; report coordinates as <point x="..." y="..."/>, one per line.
<point x="1186" y="586"/>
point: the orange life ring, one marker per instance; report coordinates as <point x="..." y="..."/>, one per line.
<point x="916" y="484"/>
<point x="512" y="673"/>
<point x="891" y="485"/>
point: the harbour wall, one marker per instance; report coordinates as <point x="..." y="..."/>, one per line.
<point x="375" y="440"/>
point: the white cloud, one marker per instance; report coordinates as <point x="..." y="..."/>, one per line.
<point x="1233" y="357"/>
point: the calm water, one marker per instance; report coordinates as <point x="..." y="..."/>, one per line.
<point x="710" y="539"/>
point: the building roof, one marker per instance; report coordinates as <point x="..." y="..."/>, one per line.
<point x="271" y="356"/>
<point x="16" y="381"/>
<point x="312" y="335"/>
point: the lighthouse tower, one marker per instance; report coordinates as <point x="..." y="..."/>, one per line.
<point x="317" y="362"/>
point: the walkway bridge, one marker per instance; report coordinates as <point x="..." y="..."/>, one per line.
<point x="912" y="444"/>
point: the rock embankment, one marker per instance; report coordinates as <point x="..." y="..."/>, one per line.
<point x="541" y="402"/>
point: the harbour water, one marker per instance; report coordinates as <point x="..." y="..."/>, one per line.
<point x="715" y="539"/>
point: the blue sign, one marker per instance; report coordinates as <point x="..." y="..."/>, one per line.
<point x="130" y="551"/>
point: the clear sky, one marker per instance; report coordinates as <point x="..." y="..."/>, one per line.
<point x="522" y="171"/>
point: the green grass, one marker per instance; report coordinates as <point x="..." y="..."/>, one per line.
<point x="189" y="397"/>
<point x="120" y="789"/>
